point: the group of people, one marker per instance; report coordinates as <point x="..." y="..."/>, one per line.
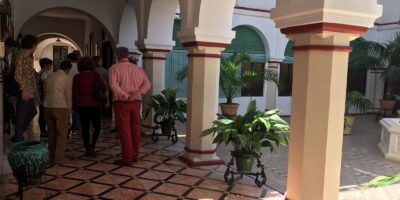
<point x="77" y="90"/>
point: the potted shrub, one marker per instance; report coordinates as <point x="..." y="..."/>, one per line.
<point x="232" y="81"/>
<point x="356" y="100"/>
<point x="373" y="55"/>
<point x="167" y="110"/>
<point x="249" y="133"/>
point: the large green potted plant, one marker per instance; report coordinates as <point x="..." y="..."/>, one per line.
<point x="354" y="100"/>
<point x="232" y="80"/>
<point x="168" y="110"/>
<point x="249" y="133"/>
<point x="373" y="55"/>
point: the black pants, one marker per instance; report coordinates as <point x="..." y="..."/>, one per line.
<point x="26" y="111"/>
<point x="42" y="121"/>
<point x="90" y="116"/>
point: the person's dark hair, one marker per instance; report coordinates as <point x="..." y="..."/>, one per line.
<point x="86" y="64"/>
<point x="65" y="65"/>
<point x="44" y="61"/>
<point x="96" y="59"/>
<point x="72" y="57"/>
<point x="28" y="41"/>
<point x="122" y="52"/>
<point x="10" y="42"/>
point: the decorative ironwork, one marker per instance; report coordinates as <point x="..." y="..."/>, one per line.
<point x="260" y="177"/>
<point x="173" y="135"/>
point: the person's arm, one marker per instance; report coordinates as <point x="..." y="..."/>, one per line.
<point x="68" y="92"/>
<point x="114" y="85"/>
<point x="100" y="80"/>
<point x="20" y="73"/>
<point x="74" y="90"/>
<point x="146" y="85"/>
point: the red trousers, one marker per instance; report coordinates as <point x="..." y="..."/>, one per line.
<point x="127" y="115"/>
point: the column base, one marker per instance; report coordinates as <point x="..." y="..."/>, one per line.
<point x="198" y="159"/>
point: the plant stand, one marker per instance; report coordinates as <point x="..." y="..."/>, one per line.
<point x="260" y="177"/>
<point x="173" y="136"/>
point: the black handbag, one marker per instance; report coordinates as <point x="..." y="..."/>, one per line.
<point x="98" y="93"/>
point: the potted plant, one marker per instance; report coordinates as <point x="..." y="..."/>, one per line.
<point x="373" y="55"/>
<point x="249" y="133"/>
<point x="356" y="100"/>
<point x="232" y="81"/>
<point x="167" y="110"/>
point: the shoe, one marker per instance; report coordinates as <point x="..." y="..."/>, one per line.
<point x="92" y="151"/>
<point x="120" y="162"/>
<point x="44" y="135"/>
<point x="114" y="130"/>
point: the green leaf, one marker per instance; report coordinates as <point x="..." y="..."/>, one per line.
<point x="208" y="131"/>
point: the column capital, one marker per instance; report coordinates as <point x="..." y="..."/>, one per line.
<point x="144" y="47"/>
<point x="205" y="49"/>
<point x="331" y="15"/>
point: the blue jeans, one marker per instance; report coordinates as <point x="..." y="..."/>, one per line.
<point x="26" y="111"/>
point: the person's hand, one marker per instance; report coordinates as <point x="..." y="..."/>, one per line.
<point x="25" y="95"/>
<point x="133" y="96"/>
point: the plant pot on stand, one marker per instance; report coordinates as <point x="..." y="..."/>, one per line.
<point x="387" y="106"/>
<point x="229" y="109"/>
<point x="28" y="162"/>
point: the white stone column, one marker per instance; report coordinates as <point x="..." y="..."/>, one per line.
<point x="375" y="86"/>
<point x="203" y="91"/>
<point x="322" y="31"/>
<point x="271" y="87"/>
<point x="154" y="65"/>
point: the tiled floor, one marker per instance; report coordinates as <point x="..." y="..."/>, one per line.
<point x="158" y="175"/>
<point x="161" y="175"/>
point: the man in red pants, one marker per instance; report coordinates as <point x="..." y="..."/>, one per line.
<point x="129" y="84"/>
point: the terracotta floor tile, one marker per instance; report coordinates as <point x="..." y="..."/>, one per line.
<point x="111" y="152"/>
<point x="214" y="185"/>
<point x="156" y="175"/>
<point x="83" y="174"/>
<point x="122" y="194"/>
<point x="146" y="150"/>
<point x="90" y="189"/>
<point x="166" y="153"/>
<point x="168" y="168"/>
<point x="59" y="170"/>
<point x="252" y="191"/>
<point x="99" y="157"/>
<point x="172" y="189"/>
<point x="38" y="193"/>
<point x="204" y="194"/>
<point x="79" y="163"/>
<point x="176" y="161"/>
<point x="111" y="179"/>
<point x="217" y="176"/>
<point x="104" y="167"/>
<point x="195" y="172"/>
<point x="128" y="171"/>
<point x="61" y="184"/>
<point x="141" y="184"/>
<point x="67" y="196"/>
<point x="145" y="164"/>
<point x="153" y="196"/>
<point x="238" y="197"/>
<point x="175" y="148"/>
<point x="183" y="179"/>
<point x="7" y="189"/>
<point x="155" y="146"/>
<point x="155" y="158"/>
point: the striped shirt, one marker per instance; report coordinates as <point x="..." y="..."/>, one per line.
<point x="128" y="81"/>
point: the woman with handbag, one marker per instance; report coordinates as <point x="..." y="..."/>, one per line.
<point x="89" y="95"/>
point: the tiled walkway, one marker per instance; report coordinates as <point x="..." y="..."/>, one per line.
<point x="158" y="175"/>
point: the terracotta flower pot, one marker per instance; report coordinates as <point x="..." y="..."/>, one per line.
<point x="387" y="104"/>
<point x="348" y="124"/>
<point x="229" y="109"/>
